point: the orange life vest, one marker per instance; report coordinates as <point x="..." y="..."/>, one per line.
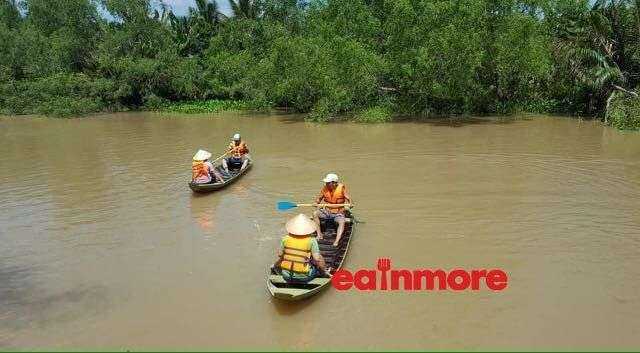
<point x="199" y="169"/>
<point x="296" y="256"/>
<point x="335" y="196"/>
<point x="239" y="150"/>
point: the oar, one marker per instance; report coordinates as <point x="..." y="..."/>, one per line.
<point x="226" y="153"/>
<point x="287" y="205"/>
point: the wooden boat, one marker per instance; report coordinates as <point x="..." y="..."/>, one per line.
<point x="233" y="175"/>
<point x="333" y="256"/>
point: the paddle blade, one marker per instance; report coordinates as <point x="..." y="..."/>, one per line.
<point x="286" y="205"/>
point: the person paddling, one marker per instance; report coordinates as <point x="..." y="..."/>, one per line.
<point x="299" y="255"/>
<point x="202" y="171"/>
<point x="239" y="154"/>
<point x="333" y="192"/>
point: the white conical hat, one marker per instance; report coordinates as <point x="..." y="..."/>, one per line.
<point x="201" y="155"/>
<point x="300" y="225"/>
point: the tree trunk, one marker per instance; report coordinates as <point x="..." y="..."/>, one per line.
<point x="631" y="93"/>
<point x="606" y="109"/>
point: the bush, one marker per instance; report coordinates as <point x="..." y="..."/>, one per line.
<point x="59" y="95"/>
<point x="376" y="114"/>
<point x="62" y="107"/>
<point x="320" y="113"/>
<point x="154" y="102"/>
<point x="624" y="113"/>
<point x="311" y="74"/>
<point x="227" y="73"/>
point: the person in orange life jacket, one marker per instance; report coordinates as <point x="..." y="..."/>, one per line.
<point x="239" y="154"/>
<point x="333" y="192"/>
<point x="299" y="255"/>
<point x="202" y="171"/>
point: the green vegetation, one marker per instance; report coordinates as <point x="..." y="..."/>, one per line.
<point x="329" y="58"/>
<point x="624" y="113"/>
<point x="208" y="106"/>
<point x="377" y="114"/>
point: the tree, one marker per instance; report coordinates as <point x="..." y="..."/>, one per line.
<point x="193" y="32"/>
<point x="10" y="57"/>
<point x="247" y="9"/>
<point x="9" y="13"/>
<point x="59" y="36"/>
<point x="591" y="46"/>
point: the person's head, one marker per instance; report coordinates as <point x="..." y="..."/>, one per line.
<point x="201" y="156"/>
<point x="237" y="138"/>
<point x="301" y="225"/>
<point x="331" y="180"/>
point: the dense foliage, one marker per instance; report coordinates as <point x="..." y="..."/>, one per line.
<point x="361" y="58"/>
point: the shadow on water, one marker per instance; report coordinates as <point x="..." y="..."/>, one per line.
<point x="440" y="121"/>
<point x="286" y="308"/>
<point x="26" y="305"/>
<point x="198" y="195"/>
<point x="463" y="121"/>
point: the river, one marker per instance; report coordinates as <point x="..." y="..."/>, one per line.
<point x="104" y="245"/>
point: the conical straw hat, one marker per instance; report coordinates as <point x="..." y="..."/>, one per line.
<point x="201" y="155"/>
<point x="300" y="225"/>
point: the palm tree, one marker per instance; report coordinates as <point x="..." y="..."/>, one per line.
<point x="194" y="30"/>
<point x="163" y="14"/>
<point x="180" y="28"/>
<point x="9" y="13"/>
<point x="589" y="47"/>
<point x="207" y="12"/>
<point x="248" y="9"/>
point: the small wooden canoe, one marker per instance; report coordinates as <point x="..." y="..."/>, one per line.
<point x="333" y="256"/>
<point x="233" y="175"/>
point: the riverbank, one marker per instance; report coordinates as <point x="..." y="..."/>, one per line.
<point x="623" y="113"/>
<point x="375" y="114"/>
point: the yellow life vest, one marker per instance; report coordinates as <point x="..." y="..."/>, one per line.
<point x="297" y="254"/>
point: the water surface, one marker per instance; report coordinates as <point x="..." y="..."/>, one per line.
<point x="104" y="245"/>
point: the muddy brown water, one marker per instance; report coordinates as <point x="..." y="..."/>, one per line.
<point x="104" y="245"/>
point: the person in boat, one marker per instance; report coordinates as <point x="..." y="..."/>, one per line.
<point x="239" y="154"/>
<point x="202" y="171"/>
<point x="333" y="192"/>
<point x="299" y="255"/>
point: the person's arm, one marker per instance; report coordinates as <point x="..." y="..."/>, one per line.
<point x="281" y="248"/>
<point x="347" y="197"/>
<point x="317" y="257"/>
<point x="320" y="197"/>
<point x="319" y="262"/>
<point x="280" y="252"/>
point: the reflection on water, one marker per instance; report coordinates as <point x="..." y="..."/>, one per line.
<point x="105" y="246"/>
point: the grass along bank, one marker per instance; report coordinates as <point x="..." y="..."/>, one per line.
<point x="205" y="106"/>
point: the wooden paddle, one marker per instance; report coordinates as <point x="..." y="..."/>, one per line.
<point x="226" y="153"/>
<point x="287" y="205"/>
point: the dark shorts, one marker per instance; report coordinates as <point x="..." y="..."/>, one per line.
<point x="290" y="277"/>
<point x="323" y="213"/>
<point x="234" y="162"/>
